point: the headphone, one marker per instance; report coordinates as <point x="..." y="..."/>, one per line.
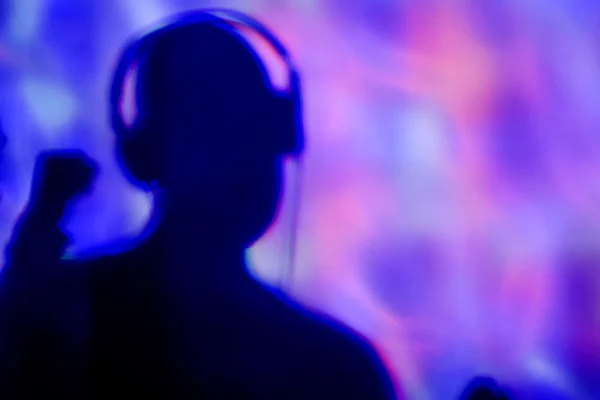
<point x="132" y="142"/>
<point x="286" y="105"/>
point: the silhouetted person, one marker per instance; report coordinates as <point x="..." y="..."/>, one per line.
<point x="176" y="314"/>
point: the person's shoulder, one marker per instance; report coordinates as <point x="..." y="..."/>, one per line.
<point x="344" y="357"/>
<point x="359" y="367"/>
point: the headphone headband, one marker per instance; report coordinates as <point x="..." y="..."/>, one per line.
<point x="230" y="17"/>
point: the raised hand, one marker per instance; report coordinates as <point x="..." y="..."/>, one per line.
<point x="59" y="178"/>
<point x="37" y="300"/>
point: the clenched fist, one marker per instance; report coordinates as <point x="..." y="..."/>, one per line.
<point x="59" y="177"/>
<point x="37" y="241"/>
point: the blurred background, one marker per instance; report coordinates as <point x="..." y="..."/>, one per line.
<point x="451" y="201"/>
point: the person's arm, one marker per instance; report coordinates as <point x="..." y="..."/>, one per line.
<point x="36" y="244"/>
<point x="30" y="280"/>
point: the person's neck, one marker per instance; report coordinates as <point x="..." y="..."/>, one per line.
<point x="197" y="250"/>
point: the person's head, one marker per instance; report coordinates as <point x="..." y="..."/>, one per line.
<point x="211" y="132"/>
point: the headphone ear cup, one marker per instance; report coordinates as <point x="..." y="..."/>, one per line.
<point x="283" y="118"/>
<point x="135" y="154"/>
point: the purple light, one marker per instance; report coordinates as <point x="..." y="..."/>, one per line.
<point x="451" y="190"/>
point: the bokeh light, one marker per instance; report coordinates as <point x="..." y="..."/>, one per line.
<point x="451" y="197"/>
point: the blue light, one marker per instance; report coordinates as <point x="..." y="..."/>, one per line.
<point x="52" y="106"/>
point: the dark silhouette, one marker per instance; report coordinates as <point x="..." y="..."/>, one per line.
<point x="42" y="345"/>
<point x="176" y="314"/>
<point x="484" y="388"/>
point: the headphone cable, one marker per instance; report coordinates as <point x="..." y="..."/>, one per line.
<point x="289" y="272"/>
